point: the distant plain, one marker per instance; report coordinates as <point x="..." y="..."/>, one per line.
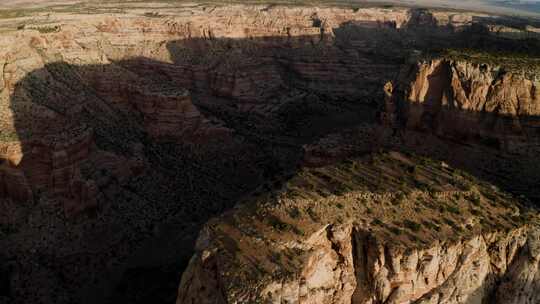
<point x="512" y="7"/>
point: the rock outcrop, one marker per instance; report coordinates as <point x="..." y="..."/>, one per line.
<point x="468" y="101"/>
<point x="46" y="165"/>
<point x="138" y="74"/>
<point x="339" y="249"/>
<point x="346" y="265"/>
<point x="158" y="116"/>
<point x="141" y="116"/>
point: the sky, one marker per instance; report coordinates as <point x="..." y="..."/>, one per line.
<point x="517" y="7"/>
<point x="529" y="5"/>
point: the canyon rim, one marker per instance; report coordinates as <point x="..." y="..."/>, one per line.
<point x="207" y="152"/>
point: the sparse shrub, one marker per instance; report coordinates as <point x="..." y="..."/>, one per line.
<point x="260" y="270"/>
<point x="377" y="222"/>
<point x="516" y="218"/>
<point x="442" y="209"/>
<point x="475" y="212"/>
<point x="413" y="226"/>
<point x="398" y="198"/>
<point x="294" y="212"/>
<point x="490" y="195"/>
<point x="474" y="198"/>
<point x="297" y="230"/>
<point x="413" y="237"/>
<point x="48" y="29"/>
<point x="431" y="225"/>
<point x="152" y="14"/>
<point x="452" y="224"/>
<point x="453" y="209"/>
<point x="275" y="257"/>
<point x="277" y="223"/>
<point x="312" y="214"/>
<point x="412" y="169"/>
<point x="395" y="230"/>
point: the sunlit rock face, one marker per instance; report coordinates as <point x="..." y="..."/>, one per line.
<point x="339" y="272"/>
<point x="468" y="101"/>
<point x="138" y="75"/>
<point x="302" y="244"/>
<point x="122" y="132"/>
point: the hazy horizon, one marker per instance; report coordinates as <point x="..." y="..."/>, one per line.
<point x="512" y="7"/>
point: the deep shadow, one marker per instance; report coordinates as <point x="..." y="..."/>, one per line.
<point x="134" y="202"/>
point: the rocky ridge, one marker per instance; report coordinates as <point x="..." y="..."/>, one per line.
<point x="142" y="124"/>
<point x="303" y="244"/>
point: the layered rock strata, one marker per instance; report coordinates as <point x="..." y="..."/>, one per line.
<point x="305" y="246"/>
<point x="105" y="97"/>
<point x="346" y="265"/>
<point x="45" y="165"/>
<point x="467" y="101"/>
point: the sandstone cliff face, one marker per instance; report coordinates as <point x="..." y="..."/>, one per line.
<point x="56" y="71"/>
<point x="467" y="100"/>
<point x="114" y="109"/>
<point x="347" y="265"/>
<point x="44" y="165"/>
<point x="349" y="248"/>
<point x="61" y="75"/>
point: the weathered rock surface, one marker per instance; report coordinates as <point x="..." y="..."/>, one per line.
<point x="247" y="54"/>
<point x="157" y="116"/>
<point x="340" y="250"/>
<point x="346" y="265"/>
<point x="468" y="101"/>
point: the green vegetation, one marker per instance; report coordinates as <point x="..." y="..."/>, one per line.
<point x="48" y="29"/>
<point x="314" y="216"/>
<point x="509" y="61"/>
<point x="377" y="222"/>
<point x="474" y="198"/>
<point x="395" y="230"/>
<point x="453" y="209"/>
<point x="294" y="212"/>
<point x="8" y="136"/>
<point x="153" y="15"/>
<point x="414" y="226"/>
<point x="452" y="224"/>
<point x="277" y="223"/>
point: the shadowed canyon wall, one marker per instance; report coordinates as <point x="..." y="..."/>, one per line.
<point x="121" y="135"/>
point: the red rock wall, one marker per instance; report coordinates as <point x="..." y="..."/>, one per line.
<point x="51" y="166"/>
<point x="468" y="101"/>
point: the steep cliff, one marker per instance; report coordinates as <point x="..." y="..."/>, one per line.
<point x="121" y="78"/>
<point x="475" y="100"/>
<point x="125" y="126"/>
<point x="144" y="72"/>
<point x="344" y="234"/>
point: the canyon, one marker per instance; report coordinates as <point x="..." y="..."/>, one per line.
<point x="201" y="153"/>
